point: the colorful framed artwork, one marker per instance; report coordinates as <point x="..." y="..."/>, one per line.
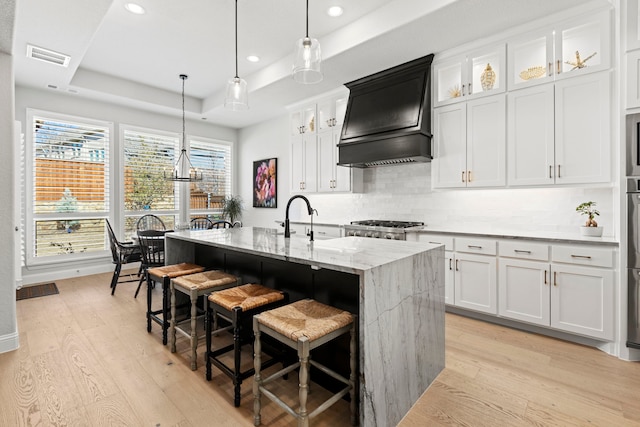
<point x="265" y="194"/>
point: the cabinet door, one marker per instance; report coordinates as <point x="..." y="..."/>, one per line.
<point x="297" y="164"/>
<point x="343" y="174"/>
<point x="582" y="301"/>
<point x="523" y="291"/>
<point x="633" y="79"/>
<point x="448" y="81"/>
<point x="632" y="14"/>
<point x="530" y="59"/>
<point x="487" y="71"/>
<point x="449" y="164"/>
<point x="582" y="145"/>
<point x="486" y="142"/>
<point x="326" y="162"/>
<point x="530" y="136"/>
<point x="310" y="157"/>
<point x="475" y="285"/>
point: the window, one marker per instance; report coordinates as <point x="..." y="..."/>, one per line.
<point x="68" y="188"/>
<point x="148" y="155"/>
<point x="213" y="159"/>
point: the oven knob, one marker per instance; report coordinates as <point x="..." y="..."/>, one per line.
<point x="388" y="236"/>
<point x="376" y="235"/>
<point x="368" y="234"/>
<point x="350" y="233"/>
<point x="356" y="233"/>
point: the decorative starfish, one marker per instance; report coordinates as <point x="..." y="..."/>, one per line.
<point x="580" y="63"/>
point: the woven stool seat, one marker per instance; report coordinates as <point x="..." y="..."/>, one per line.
<point x="205" y="280"/>
<point x="306" y="318"/>
<point x="246" y="297"/>
<point x="237" y="305"/>
<point x="175" y="270"/>
<point x="195" y="285"/>
<point x="304" y="325"/>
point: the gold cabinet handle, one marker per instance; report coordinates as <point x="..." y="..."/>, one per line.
<point x="558" y="67"/>
<point x="468" y="176"/>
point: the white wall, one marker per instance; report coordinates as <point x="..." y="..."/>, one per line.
<point x="403" y="192"/>
<point x="8" y="323"/>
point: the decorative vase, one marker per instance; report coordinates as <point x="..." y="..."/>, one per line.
<point x="488" y="78"/>
<point x="591" y="231"/>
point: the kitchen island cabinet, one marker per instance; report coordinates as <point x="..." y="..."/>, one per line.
<point x="395" y="288"/>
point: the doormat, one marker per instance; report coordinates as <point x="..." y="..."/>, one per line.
<point x="36" y="291"/>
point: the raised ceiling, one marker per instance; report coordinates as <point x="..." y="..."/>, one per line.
<point x="135" y="60"/>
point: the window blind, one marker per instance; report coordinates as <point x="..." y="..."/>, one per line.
<point x="214" y="160"/>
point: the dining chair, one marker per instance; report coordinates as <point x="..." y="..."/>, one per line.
<point x="201" y="223"/>
<point x="152" y="247"/>
<point x="150" y="222"/>
<point x="222" y="224"/>
<point x="121" y="253"/>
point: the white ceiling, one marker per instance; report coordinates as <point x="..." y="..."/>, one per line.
<point x="135" y="60"/>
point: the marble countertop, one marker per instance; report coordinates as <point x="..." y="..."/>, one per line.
<point x="546" y="236"/>
<point x="349" y="254"/>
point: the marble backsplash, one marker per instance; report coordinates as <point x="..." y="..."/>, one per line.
<point x="404" y="193"/>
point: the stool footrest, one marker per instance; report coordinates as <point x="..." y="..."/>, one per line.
<point x="329" y="372"/>
<point x="282" y="372"/>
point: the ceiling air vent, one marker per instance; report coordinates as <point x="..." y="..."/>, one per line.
<point x="47" y="55"/>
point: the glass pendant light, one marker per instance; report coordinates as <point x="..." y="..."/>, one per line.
<point x="307" y="59"/>
<point x="183" y="170"/>
<point x="237" y="98"/>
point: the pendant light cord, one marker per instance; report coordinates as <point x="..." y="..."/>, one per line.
<point x="307" y="18"/>
<point x="184" y="132"/>
<point x="237" y="38"/>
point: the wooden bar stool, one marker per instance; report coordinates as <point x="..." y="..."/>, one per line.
<point x="237" y="305"/>
<point x="195" y="285"/>
<point x="303" y="326"/>
<point x="164" y="275"/>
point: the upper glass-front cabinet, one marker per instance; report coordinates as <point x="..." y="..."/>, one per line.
<point x="576" y="47"/>
<point x="478" y="73"/>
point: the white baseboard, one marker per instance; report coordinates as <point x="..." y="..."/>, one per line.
<point x="9" y="342"/>
<point x="48" y="275"/>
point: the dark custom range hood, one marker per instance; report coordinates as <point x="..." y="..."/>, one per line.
<point x="388" y="117"/>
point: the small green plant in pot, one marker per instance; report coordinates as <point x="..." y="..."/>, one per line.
<point x="232" y="208"/>
<point x="590" y="228"/>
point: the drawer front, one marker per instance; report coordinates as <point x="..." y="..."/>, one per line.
<point x="583" y="255"/>
<point x="437" y="239"/>
<point x="524" y="250"/>
<point x="475" y="246"/>
<point x="325" y="231"/>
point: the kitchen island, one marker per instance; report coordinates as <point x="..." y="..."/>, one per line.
<point x="395" y="288"/>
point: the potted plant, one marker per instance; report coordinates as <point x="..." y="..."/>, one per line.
<point x="590" y="228"/>
<point x="232" y="208"/>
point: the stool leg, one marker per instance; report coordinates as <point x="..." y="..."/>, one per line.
<point x="172" y="324"/>
<point x="207" y="335"/>
<point x="257" y="380"/>
<point x="303" y="354"/>
<point x="165" y="308"/>
<point x="148" y="302"/>
<point x="352" y="374"/>
<point x="237" y="345"/>
<point x="194" y="334"/>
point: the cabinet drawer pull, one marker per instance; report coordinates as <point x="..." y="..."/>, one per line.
<point x="549" y="69"/>
<point x="456" y="265"/>
<point x="468" y="176"/>
<point x="450" y="267"/>
<point x="463" y="86"/>
<point x="474" y="247"/>
<point x="545" y="277"/>
<point x="558" y="171"/>
<point x="550" y="171"/>
<point x="463" y="176"/>
<point x="435" y="243"/>
<point x="555" y="278"/>
<point x="558" y="67"/>
<point x="519" y="251"/>
<point x="581" y="256"/>
<point x="321" y="232"/>
<point x="470" y="90"/>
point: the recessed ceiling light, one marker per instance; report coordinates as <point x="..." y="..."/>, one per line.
<point x="253" y="58"/>
<point x="335" y="11"/>
<point x="134" y="8"/>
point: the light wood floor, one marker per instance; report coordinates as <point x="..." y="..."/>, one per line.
<point x="86" y="360"/>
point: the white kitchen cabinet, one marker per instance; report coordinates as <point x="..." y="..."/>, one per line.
<point x="303" y="120"/>
<point x="331" y="177"/>
<point x="560" y="133"/>
<point x="303" y="164"/>
<point x="582" y="301"/>
<point x="475" y="284"/>
<point x="571" y="48"/>
<point x="449" y="272"/>
<point x="633" y="79"/>
<point x="331" y="112"/>
<point x="470" y="144"/>
<point x="471" y="75"/>
<point x="523" y="290"/>
<point x="632" y="13"/>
